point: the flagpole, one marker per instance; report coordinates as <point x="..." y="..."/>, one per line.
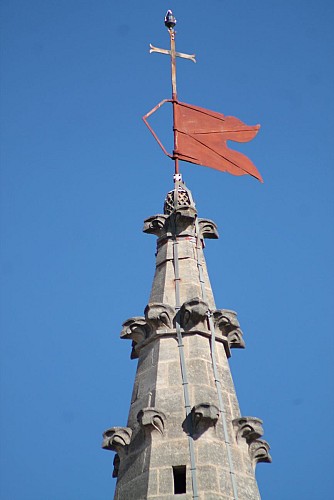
<point x="170" y="22"/>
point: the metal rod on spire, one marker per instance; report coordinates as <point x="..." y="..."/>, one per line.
<point x="170" y="23"/>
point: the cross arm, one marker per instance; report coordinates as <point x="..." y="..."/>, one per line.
<point x="191" y="57"/>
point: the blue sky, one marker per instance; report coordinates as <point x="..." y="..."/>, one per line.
<point x="80" y="173"/>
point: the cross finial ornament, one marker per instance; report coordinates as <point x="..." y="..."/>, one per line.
<point x="201" y="135"/>
<point x="170" y="23"/>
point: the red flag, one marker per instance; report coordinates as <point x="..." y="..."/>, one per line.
<point x="201" y="137"/>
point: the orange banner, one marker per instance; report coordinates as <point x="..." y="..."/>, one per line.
<point x="201" y="137"/>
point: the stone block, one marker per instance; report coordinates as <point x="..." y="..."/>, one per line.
<point x="174" y="373"/>
<point x="174" y="428"/>
<point x="202" y="393"/>
<point x="152" y="482"/>
<point x="169" y="350"/>
<point x="197" y="372"/>
<point x="207" y="478"/>
<point x="225" y="483"/>
<point x="147" y="381"/>
<point x="247" y="488"/>
<point x="198" y="347"/>
<point x="166" y="483"/>
<point x="167" y="454"/>
<point x="148" y="357"/>
<point x="162" y="374"/>
<point x="210" y="451"/>
<point x="170" y="400"/>
<point x="134" y="489"/>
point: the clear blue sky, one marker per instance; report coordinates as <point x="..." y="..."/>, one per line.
<point x="80" y="173"/>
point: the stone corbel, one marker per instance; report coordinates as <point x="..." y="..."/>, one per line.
<point x="203" y="416"/>
<point x="116" y="439"/>
<point x="159" y="316"/>
<point x="194" y="315"/>
<point x="248" y="428"/>
<point x="155" y="225"/>
<point x="183" y="221"/>
<point x="207" y="229"/>
<point x="152" y="419"/>
<point x="226" y="321"/>
<point x="136" y="329"/>
<point x="259" y="452"/>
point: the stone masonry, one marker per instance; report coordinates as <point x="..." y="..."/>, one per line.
<point x="185" y="436"/>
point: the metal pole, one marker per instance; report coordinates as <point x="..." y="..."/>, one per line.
<point x="174" y="91"/>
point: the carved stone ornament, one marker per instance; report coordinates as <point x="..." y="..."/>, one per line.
<point x="248" y="428"/>
<point x="116" y="438"/>
<point x="181" y="222"/>
<point x="116" y="464"/>
<point x="208" y="229"/>
<point x="204" y="415"/>
<point x="156" y="224"/>
<point x="259" y="451"/>
<point x="152" y="419"/>
<point x="184" y="200"/>
<point x="135" y="329"/>
<point x="159" y="316"/>
<point x="193" y="314"/>
<point x="226" y="321"/>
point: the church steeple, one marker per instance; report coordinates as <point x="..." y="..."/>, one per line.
<point x="184" y="433"/>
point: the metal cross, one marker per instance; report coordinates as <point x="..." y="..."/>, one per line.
<point x="170" y="22"/>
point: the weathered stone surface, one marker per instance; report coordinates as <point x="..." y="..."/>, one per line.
<point x="208" y="229"/>
<point x="248" y="428"/>
<point x="175" y="406"/>
<point x="193" y="314"/>
<point x="226" y="321"/>
<point x="116" y="438"/>
<point x="204" y="415"/>
<point x="166" y="485"/>
<point x="208" y="479"/>
<point x="116" y="463"/>
<point x="152" y="419"/>
<point x="155" y="225"/>
<point x="159" y="315"/>
<point x="259" y="451"/>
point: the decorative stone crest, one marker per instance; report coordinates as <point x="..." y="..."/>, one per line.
<point x="203" y="416"/>
<point x="184" y="200"/>
<point x="181" y="222"/>
<point x="159" y="316"/>
<point x="156" y="224"/>
<point x="259" y="451"/>
<point x="208" y="229"/>
<point x="193" y="315"/>
<point x="152" y="419"/>
<point x="250" y="429"/>
<point x="226" y="321"/>
<point x="137" y="330"/>
<point x="116" y="438"/>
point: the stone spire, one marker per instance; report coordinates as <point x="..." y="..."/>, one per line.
<point x="184" y="435"/>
